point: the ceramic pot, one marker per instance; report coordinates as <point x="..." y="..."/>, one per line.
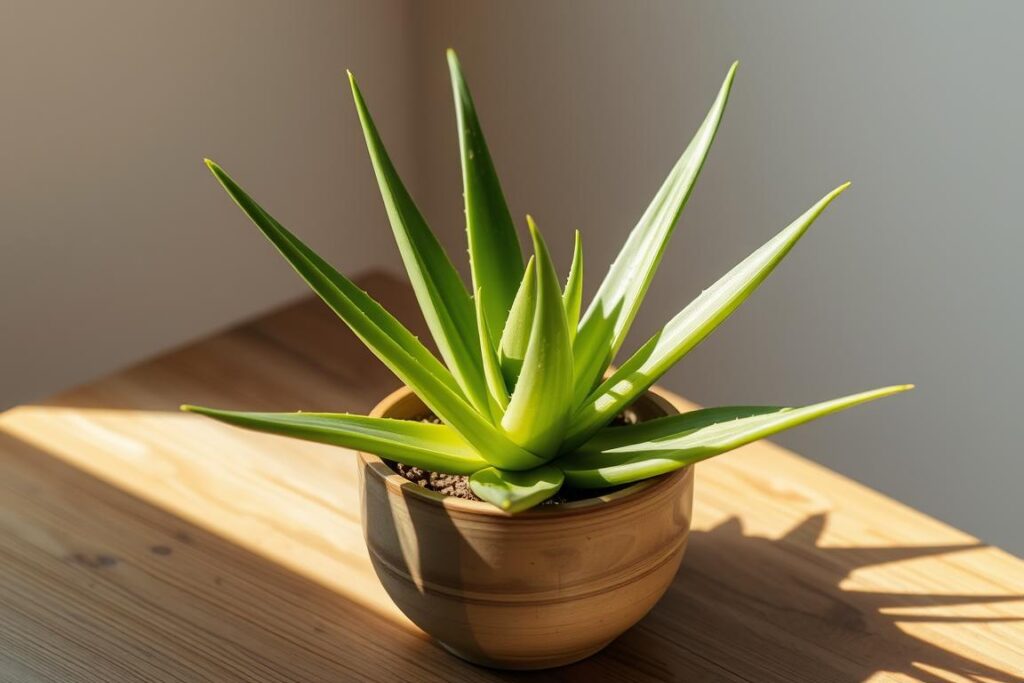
<point x="538" y="589"/>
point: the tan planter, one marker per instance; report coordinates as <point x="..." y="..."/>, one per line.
<point x="539" y="589"/>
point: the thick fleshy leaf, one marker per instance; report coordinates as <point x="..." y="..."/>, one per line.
<point x="394" y="345"/>
<point x="687" y="329"/>
<point x="572" y="297"/>
<point x="438" y="448"/>
<point x="516" y="491"/>
<point x="333" y="287"/>
<point x="620" y="455"/>
<point x="611" y="312"/>
<point x="496" y="388"/>
<point x="538" y="411"/>
<point x="516" y="335"/>
<point x="615" y="437"/>
<point x="495" y="257"/>
<point x="442" y="296"/>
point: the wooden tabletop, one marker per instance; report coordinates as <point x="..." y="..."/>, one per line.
<point x="138" y="543"/>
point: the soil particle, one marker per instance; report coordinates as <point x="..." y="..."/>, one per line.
<point x="449" y="484"/>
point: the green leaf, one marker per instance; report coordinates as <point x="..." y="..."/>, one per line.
<point x="331" y="285"/>
<point x="620" y="455"/>
<point x="687" y="329"/>
<point x="539" y="408"/>
<point x="495" y="258"/>
<point x="442" y="296"/>
<point x="616" y="437"/>
<point x="516" y="335"/>
<point x="572" y="297"/>
<point x="611" y="312"/>
<point x="434" y="447"/>
<point x="516" y="491"/>
<point x="393" y="344"/>
<point x="496" y="388"/>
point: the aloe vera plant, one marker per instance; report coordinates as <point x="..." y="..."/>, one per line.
<point x="525" y="392"/>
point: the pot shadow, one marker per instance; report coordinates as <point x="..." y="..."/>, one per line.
<point x="751" y="608"/>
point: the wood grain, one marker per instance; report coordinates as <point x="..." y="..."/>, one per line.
<point x="138" y="543"/>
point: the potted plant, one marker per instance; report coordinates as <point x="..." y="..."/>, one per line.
<point x="524" y="502"/>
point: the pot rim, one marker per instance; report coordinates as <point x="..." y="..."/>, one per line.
<point x="396" y="482"/>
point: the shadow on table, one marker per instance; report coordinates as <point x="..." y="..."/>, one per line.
<point x="761" y="609"/>
<point x="750" y="608"/>
<point x="128" y="589"/>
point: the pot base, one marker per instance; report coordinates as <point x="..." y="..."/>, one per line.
<point x="526" y="663"/>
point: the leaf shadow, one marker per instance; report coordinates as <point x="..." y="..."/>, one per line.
<point x="763" y="609"/>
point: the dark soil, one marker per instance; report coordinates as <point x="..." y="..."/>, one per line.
<point x="457" y="485"/>
<point x="449" y="484"/>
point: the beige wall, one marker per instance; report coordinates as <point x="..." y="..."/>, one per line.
<point x="912" y="276"/>
<point x="116" y="242"/>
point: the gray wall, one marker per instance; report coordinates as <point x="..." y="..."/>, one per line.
<point x="912" y="276"/>
<point x="116" y="243"/>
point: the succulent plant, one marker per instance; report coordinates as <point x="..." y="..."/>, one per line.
<point x="526" y="390"/>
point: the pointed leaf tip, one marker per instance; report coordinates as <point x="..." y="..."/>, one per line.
<point x="894" y="389"/>
<point x="515" y="332"/>
<point x="572" y="295"/>
<point x="730" y="75"/>
<point x="608" y="318"/>
<point x="495" y="255"/>
<point x="440" y="291"/>
<point x="687" y="329"/>
<point x="816" y="210"/>
<point x="532" y="225"/>
<point x="541" y="399"/>
<point x="433" y="447"/>
<point x="620" y="455"/>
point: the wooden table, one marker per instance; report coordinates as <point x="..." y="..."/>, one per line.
<point x="141" y="544"/>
